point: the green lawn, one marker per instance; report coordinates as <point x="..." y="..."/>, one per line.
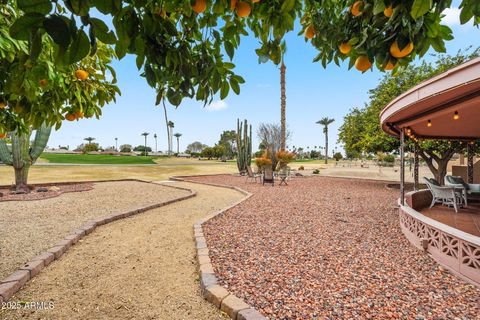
<point x="96" y="159"/>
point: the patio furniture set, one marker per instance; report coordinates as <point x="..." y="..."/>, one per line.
<point x="269" y="176"/>
<point x="455" y="193"/>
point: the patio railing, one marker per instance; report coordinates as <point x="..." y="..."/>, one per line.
<point x="456" y="250"/>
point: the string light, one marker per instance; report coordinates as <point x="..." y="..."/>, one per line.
<point x="456" y="116"/>
<point x="429" y="123"/>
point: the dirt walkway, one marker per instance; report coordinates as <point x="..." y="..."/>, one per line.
<point x="137" y="268"/>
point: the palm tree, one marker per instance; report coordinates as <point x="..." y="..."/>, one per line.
<point x="325" y="122"/>
<point x="89" y="139"/>
<point x="283" y="100"/>
<point x="155" y="137"/>
<point x="171" y="125"/>
<point x="167" y="126"/>
<point x="116" y="144"/>
<point x="145" y="134"/>
<point x="178" y="135"/>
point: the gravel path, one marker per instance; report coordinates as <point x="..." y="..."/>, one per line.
<point x="142" y="267"/>
<point x="30" y="227"/>
<point x="330" y="248"/>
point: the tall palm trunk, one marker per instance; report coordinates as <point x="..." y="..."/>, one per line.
<point x="168" y="128"/>
<point x="283" y="105"/>
<point x="326" y="145"/>
<point x="178" y="145"/>
<point x="146" y="146"/>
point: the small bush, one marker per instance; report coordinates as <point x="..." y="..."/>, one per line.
<point x="316" y="171"/>
<point x="301" y="168"/>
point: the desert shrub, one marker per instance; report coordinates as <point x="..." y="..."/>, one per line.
<point x="301" y="168"/>
<point x="316" y="171"/>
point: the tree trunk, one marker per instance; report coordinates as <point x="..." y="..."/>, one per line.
<point x="178" y="145"/>
<point x="326" y="145"/>
<point x="21" y="178"/>
<point x="283" y="121"/>
<point x="440" y="171"/>
<point x="168" y="127"/>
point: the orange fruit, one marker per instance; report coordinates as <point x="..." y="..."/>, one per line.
<point x="233" y="4"/>
<point x="3" y="105"/>
<point x="356" y="8"/>
<point x="78" y="115"/>
<point x="390" y="66"/>
<point x="362" y="63"/>
<point x="388" y="12"/>
<point x="345" y="48"/>
<point x="310" y="32"/>
<point x="243" y="9"/>
<point x="70" y="117"/>
<point x="3" y="135"/>
<point x="43" y="82"/>
<point x="199" y="6"/>
<point x="397" y="53"/>
<point x="81" y="74"/>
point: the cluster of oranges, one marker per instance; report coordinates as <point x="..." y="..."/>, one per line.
<point x="71" y="116"/>
<point x="242" y="8"/>
<point x="363" y="63"/>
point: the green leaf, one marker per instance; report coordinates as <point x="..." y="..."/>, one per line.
<point x="80" y="7"/>
<point x="234" y="85"/>
<point x="378" y="7"/>
<point x="287" y="5"/>
<point x="229" y="49"/>
<point x="102" y="32"/>
<point x="79" y="48"/>
<point x="35" y="6"/>
<point x="420" y="7"/>
<point x="22" y="27"/>
<point x="224" y="90"/>
<point x="58" y="30"/>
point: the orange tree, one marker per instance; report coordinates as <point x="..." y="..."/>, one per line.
<point x="37" y="94"/>
<point x="179" y="44"/>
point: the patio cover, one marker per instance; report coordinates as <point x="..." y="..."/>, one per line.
<point x="436" y="100"/>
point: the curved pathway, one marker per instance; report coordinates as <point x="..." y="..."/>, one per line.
<point x="142" y="267"/>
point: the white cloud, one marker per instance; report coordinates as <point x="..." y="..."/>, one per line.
<point x="452" y="17"/>
<point x="217" y="105"/>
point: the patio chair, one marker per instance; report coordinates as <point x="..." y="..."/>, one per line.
<point x="253" y="176"/>
<point x="443" y="195"/>
<point x="284" y="175"/>
<point x="469" y="190"/>
<point x="268" y="176"/>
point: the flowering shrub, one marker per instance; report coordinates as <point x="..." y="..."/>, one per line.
<point x="284" y="157"/>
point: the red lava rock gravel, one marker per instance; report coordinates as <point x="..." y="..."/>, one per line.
<point x="329" y="248"/>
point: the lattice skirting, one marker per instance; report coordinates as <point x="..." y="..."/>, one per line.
<point x="456" y="253"/>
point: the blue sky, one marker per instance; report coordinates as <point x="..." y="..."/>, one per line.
<point x="312" y="93"/>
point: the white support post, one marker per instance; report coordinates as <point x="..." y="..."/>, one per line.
<point x="402" y="167"/>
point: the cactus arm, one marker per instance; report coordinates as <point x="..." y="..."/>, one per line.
<point x="20" y="148"/>
<point x="5" y="154"/>
<point x="40" y="142"/>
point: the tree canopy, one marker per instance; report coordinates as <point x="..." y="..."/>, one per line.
<point x="182" y="45"/>
<point x="361" y="131"/>
<point x="35" y="90"/>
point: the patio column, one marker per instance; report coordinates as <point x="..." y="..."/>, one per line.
<point x="402" y="167"/>
<point x="415" y="166"/>
<point x="470" y="162"/>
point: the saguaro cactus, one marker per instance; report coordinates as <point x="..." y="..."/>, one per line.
<point x="22" y="155"/>
<point x="244" y="146"/>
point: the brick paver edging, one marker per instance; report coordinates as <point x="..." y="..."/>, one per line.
<point x="236" y="308"/>
<point x="10" y="285"/>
